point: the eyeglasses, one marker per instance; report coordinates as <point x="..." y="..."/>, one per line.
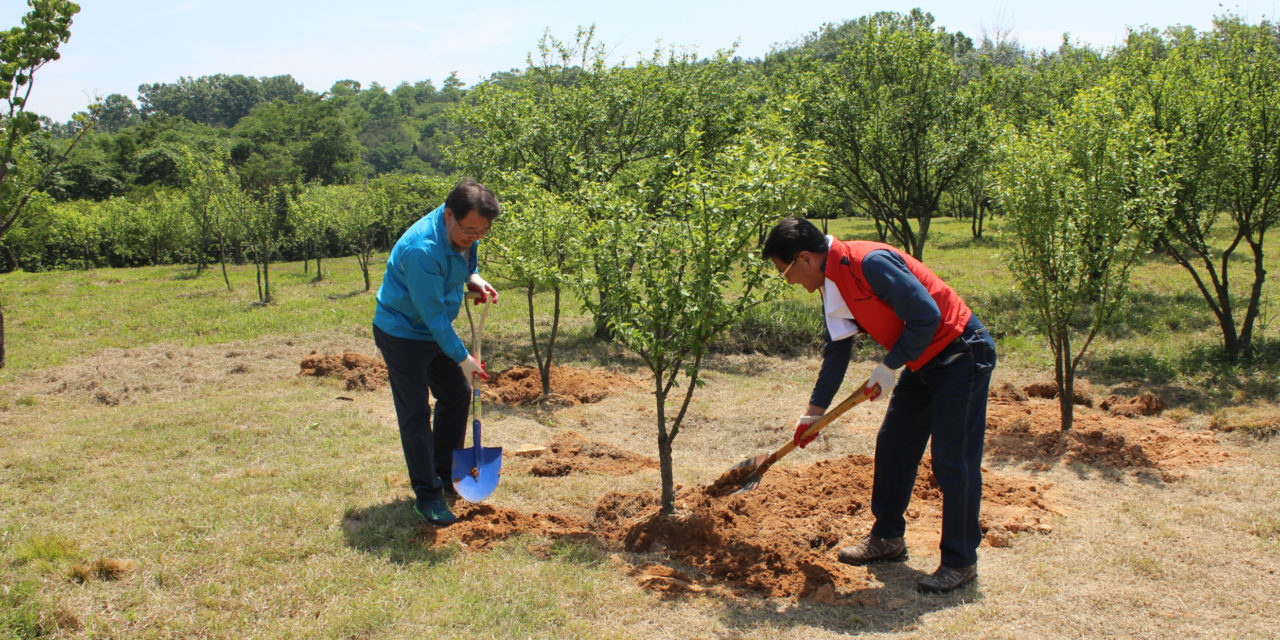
<point x="783" y="275"/>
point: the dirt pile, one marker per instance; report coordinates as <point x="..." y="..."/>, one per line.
<point x="1048" y="390"/>
<point x="569" y="453"/>
<point x="360" y="372"/>
<point x="1031" y="430"/>
<point x="569" y="385"/>
<point x="779" y="540"/>
<point x="1144" y="404"/>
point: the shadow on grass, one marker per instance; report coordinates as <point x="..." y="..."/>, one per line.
<point x="348" y="295"/>
<point x="394" y="532"/>
<point x="894" y="606"/>
<point x="1256" y="375"/>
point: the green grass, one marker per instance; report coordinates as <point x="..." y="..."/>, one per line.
<point x="253" y="503"/>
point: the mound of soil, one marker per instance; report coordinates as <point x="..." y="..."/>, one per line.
<point x="1144" y="404"/>
<point x="1032" y="430"/>
<point x="569" y="385"/>
<point x="1046" y="390"/>
<point x="361" y="372"/>
<point x="571" y="453"/>
<point x="778" y="540"/>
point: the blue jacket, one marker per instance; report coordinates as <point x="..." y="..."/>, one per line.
<point x="422" y="291"/>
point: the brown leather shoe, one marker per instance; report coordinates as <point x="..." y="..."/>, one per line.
<point x="874" y="549"/>
<point x="948" y="578"/>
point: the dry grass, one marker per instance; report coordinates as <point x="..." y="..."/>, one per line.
<point x="254" y="503"/>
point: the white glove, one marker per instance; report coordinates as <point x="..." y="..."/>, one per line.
<point x="472" y="369"/>
<point x="487" y="292"/>
<point x="885" y="377"/>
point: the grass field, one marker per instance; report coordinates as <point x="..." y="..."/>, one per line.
<point x="166" y="474"/>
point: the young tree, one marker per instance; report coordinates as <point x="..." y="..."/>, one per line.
<point x="258" y="221"/>
<point x="203" y="176"/>
<point x="363" y="211"/>
<point x="540" y="244"/>
<point x="1215" y="97"/>
<point x="688" y="272"/>
<point x="25" y="50"/>
<point x="1083" y="198"/>
<point x="900" y="124"/>
<point x="313" y="219"/>
<point x="574" y="124"/>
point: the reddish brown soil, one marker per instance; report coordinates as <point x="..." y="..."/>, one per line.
<point x="778" y="540"/>
<point x="1031" y="430"/>
<point x="569" y="453"/>
<point x="361" y="372"/>
<point x="781" y="538"/>
<point x="569" y="385"/>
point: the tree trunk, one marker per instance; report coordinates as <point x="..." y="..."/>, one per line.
<point x="544" y="371"/>
<point x="1255" y="299"/>
<point x="551" y="342"/>
<point x="664" y="451"/>
<point x="266" y="281"/>
<point x="222" y="258"/>
<point x="1064" y="375"/>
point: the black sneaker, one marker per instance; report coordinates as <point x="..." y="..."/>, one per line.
<point x="436" y="512"/>
<point x="874" y="549"/>
<point x="948" y="578"/>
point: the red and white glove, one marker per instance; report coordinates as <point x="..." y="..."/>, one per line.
<point x="885" y="378"/>
<point x="472" y="369"/>
<point x="803" y="425"/>
<point x="486" y="290"/>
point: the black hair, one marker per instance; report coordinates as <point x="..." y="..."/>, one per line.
<point x="790" y="237"/>
<point x="470" y="196"/>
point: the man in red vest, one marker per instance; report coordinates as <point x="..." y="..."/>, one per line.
<point x="941" y="396"/>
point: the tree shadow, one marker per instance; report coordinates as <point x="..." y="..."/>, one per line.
<point x="392" y="531"/>
<point x="348" y="295"/>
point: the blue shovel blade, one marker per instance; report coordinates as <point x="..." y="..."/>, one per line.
<point x="475" y="471"/>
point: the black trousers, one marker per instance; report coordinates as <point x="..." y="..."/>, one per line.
<point x="417" y="369"/>
<point x="943" y="404"/>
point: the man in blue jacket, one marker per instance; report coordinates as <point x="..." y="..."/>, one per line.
<point x="413" y="328"/>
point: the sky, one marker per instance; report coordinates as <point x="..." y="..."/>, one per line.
<point x="117" y="45"/>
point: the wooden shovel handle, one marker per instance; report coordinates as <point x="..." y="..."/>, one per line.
<point x="827" y="418"/>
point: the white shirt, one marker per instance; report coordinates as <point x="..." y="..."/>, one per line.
<point x="840" y="322"/>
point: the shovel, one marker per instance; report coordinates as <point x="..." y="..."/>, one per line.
<point x="476" y="468"/>
<point x="745" y="475"/>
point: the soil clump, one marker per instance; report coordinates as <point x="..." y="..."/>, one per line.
<point x="569" y="385"/>
<point x="359" y="371"/>
<point x="570" y="453"/>
<point x="778" y="540"/>
<point x="1031" y="430"/>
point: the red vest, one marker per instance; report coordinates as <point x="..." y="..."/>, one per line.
<point x="844" y="268"/>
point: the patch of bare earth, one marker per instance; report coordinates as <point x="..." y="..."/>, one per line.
<point x="359" y="371"/>
<point x="570" y="453"/>
<point x="569" y="385"/>
<point x="1123" y="433"/>
<point x="778" y="540"/>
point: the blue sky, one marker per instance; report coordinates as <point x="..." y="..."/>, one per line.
<point x="117" y="45"/>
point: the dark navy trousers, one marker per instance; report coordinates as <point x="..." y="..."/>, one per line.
<point x="943" y="404"/>
<point x="415" y="368"/>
